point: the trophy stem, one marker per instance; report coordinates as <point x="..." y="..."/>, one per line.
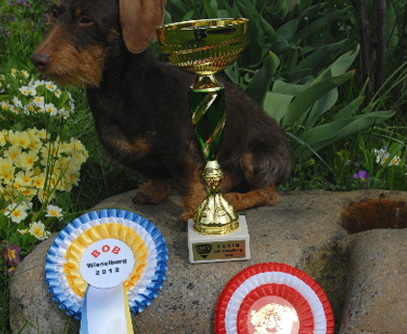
<point x="214" y="216"/>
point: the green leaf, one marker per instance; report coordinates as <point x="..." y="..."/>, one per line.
<point x="287" y="30"/>
<point x="350" y="109"/>
<point x="211" y="8"/>
<point x="287" y="88"/>
<point x="326" y="134"/>
<point x="269" y="30"/>
<point x="301" y="104"/>
<point x="339" y="66"/>
<point x="276" y="105"/>
<point x="320" y="107"/>
<point x="188" y="16"/>
<point x="313" y="61"/>
<point x="260" y="83"/>
<point x="319" y="24"/>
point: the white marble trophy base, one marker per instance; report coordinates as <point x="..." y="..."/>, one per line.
<point x="234" y="246"/>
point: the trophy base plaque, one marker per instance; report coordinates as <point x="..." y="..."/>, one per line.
<point x="234" y="246"/>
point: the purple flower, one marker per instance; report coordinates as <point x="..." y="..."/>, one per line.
<point x="362" y="175"/>
<point x="12" y="255"/>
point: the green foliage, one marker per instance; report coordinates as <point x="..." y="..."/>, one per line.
<point x="302" y="63"/>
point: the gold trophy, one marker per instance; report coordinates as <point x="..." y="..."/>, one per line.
<point x="206" y="47"/>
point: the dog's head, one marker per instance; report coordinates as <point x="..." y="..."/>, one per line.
<point x="83" y="32"/>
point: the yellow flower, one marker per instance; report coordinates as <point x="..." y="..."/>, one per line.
<point x="42" y="134"/>
<point x="3" y="137"/>
<point x="26" y="160"/>
<point x="39" y="181"/>
<point x="25" y="179"/>
<point x="29" y="192"/>
<point x="35" y="144"/>
<point x="5" y="163"/>
<point x="16" y="185"/>
<point x="19" y="138"/>
<point x="7" y="175"/>
<point x="12" y="153"/>
<point x="25" y="74"/>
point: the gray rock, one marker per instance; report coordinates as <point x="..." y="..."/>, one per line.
<point x="31" y="306"/>
<point x="303" y="230"/>
<point x="376" y="296"/>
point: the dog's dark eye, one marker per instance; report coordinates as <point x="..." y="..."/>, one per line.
<point x="85" y="21"/>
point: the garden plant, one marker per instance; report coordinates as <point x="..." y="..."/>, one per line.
<point x="311" y="64"/>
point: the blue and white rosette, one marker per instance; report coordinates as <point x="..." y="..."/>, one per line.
<point x="108" y="257"/>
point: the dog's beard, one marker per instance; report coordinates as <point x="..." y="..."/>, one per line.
<point x="79" y="67"/>
<point x="69" y="65"/>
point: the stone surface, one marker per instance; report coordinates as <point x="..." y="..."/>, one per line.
<point x="376" y="295"/>
<point x="303" y="230"/>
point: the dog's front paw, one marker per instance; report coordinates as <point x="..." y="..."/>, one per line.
<point x="270" y="196"/>
<point x="183" y="219"/>
<point x="152" y="192"/>
<point x="141" y="198"/>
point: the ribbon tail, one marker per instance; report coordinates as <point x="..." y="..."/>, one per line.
<point x="106" y="311"/>
<point x="127" y="313"/>
<point x="84" y="320"/>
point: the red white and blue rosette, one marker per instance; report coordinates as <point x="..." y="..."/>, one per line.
<point x="273" y="298"/>
<point x="103" y="229"/>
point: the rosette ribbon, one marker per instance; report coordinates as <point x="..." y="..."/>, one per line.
<point x="273" y="298"/>
<point x="105" y="266"/>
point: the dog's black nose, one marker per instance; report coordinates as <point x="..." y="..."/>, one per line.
<point x="40" y="61"/>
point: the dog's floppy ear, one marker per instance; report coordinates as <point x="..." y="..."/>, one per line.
<point x="139" y="20"/>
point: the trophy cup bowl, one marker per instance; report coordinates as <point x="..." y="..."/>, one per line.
<point x="205" y="47"/>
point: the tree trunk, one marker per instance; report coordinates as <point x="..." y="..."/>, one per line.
<point x="379" y="35"/>
<point x="365" y="46"/>
<point x="373" y="42"/>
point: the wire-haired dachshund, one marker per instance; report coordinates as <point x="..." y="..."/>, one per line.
<point x="141" y="111"/>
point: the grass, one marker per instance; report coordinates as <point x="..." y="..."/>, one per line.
<point x="337" y="166"/>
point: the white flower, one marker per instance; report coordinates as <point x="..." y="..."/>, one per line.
<point x="16" y="102"/>
<point x="32" y="91"/>
<point x="50" y="109"/>
<point x="24" y="90"/>
<point x="37" y="83"/>
<point x="16" y="212"/>
<point x="53" y="211"/>
<point x="38" y="101"/>
<point x="4" y="105"/>
<point x="37" y="229"/>
<point x="383" y="155"/>
<point x="50" y="86"/>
